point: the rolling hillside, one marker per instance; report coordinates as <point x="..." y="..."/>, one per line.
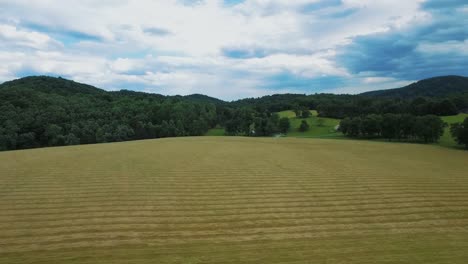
<point x="64" y="87"/>
<point x="432" y="87"/>
<point x="51" y="85"/>
<point x="45" y="111"/>
<point x="234" y="200"/>
<point x="325" y="130"/>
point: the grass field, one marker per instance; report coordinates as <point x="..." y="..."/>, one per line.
<point x="447" y="140"/>
<point x="326" y="130"/>
<point x="215" y="132"/>
<point x="235" y="200"/>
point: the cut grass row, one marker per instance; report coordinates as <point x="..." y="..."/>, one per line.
<point x="234" y="200"/>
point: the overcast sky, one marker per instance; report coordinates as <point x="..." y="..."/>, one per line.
<point x="233" y="49"/>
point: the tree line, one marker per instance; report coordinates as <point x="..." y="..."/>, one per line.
<point x="32" y="116"/>
<point x="45" y="111"/>
<point x="460" y="132"/>
<point x="427" y="129"/>
<point x="341" y="106"/>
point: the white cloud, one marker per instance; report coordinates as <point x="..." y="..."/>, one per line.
<point x="188" y="54"/>
<point x="12" y="35"/>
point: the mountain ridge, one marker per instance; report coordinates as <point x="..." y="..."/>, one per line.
<point x="431" y="87"/>
<point x="66" y="87"/>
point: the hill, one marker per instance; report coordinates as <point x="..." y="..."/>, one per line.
<point x="234" y="200"/>
<point x="320" y="127"/>
<point x="46" y="84"/>
<point x="45" y="111"/>
<point x="432" y="87"/>
<point x="203" y="98"/>
<point x="64" y="87"/>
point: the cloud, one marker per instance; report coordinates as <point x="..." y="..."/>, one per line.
<point x="437" y="46"/>
<point x="12" y="38"/>
<point x="155" y="31"/>
<point x="446" y="5"/>
<point x="234" y="48"/>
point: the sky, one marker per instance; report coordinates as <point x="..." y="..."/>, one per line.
<point x="233" y="49"/>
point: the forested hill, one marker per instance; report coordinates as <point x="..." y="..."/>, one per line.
<point x="46" y="111"/>
<point x="53" y="85"/>
<point x="64" y="87"/>
<point x="432" y="87"/>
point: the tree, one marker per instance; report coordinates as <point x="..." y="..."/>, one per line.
<point x="284" y="125"/>
<point x="71" y="139"/>
<point x="27" y="140"/>
<point x="345" y="125"/>
<point x="45" y="111"/>
<point x="371" y="125"/>
<point x="320" y="122"/>
<point x="270" y="128"/>
<point x="297" y="110"/>
<point x="355" y="127"/>
<point x="305" y="113"/>
<point x="390" y="126"/>
<point x="429" y="128"/>
<point x="8" y="135"/>
<point x="460" y="132"/>
<point x="53" y="134"/>
<point x="407" y="123"/>
<point x="445" y="108"/>
<point x="304" y="126"/>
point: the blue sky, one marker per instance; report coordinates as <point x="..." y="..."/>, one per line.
<point x="235" y="48"/>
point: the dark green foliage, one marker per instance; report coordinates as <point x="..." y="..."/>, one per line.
<point x="371" y="125"/>
<point x="427" y="128"/>
<point x="460" y="132"/>
<point x="284" y="125"/>
<point x="301" y="111"/>
<point x="351" y="126"/>
<point x="305" y="113"/>
<point x="342" y="107"/>
<point x="297" y="110"/>
<point x="390" y="126"/>
<point x="45" y="111"/>
<point x="304" y="126"/>
<point x="265" y="125"/>
<point x="439" y="96"/>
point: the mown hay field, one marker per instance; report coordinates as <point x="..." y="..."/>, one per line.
<point x="235" y="200"/>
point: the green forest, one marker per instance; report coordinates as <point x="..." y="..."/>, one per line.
<point x="45" y="111"/>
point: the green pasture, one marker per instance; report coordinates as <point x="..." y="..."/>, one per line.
<point x="447" y="140"/>
<point x="325" y="130"/>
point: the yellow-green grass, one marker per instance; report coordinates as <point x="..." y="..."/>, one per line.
<point x="447" y="140"/>
<point x="325" y="130"/>
<point x="235" y="200"/>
